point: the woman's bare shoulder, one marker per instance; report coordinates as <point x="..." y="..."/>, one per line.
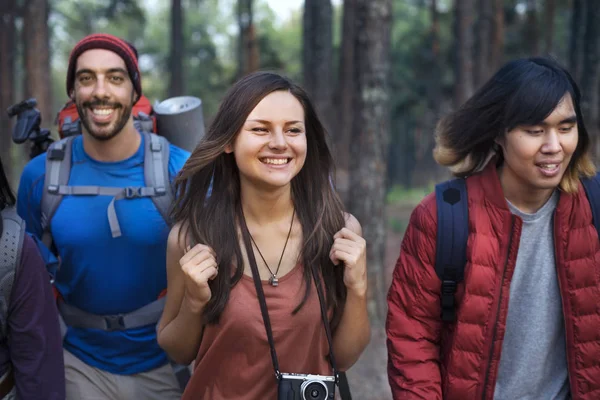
<point x="352" y="223"/>
<point x="179" y="238"/>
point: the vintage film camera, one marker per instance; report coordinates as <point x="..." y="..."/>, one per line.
<point x="306" y="387"/>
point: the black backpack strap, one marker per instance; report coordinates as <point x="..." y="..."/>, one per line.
<point x="452" y="234"/>
<point x="592" y="191"/>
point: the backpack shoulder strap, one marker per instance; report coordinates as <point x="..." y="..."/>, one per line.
<point x="592" y="191"/>
<point x="12" y="230"/>
<point x="58" y="170"/>
<point x="156" y="172"/>
<point x="451" y="242"/>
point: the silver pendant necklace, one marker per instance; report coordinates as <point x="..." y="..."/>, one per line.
<point x="273" y="280"/>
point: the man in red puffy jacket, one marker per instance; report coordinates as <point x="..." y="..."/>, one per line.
<point x="527" y="320"/>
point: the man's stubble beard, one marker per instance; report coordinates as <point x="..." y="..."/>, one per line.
<point x="119" y="125"/>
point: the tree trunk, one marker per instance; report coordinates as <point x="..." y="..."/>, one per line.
<point x="435" y="71"/>
<point x="463" y="30"/>
<point x="531" y="32"/>
<point x="433" y="60"/>
<point x="578" y="22"/>
<point x="38" y="83"/>
<point x="344" y="96"/>
<point x="177" y="50"/>
<point x="317" y="49"/>
<point x="549" y="11"/>
<point x="370" y="137"/>
<point x="435" y="29"/>
<point x="7" y="70"/>
<point x="591" y="75"/>
<point x="485" y="28"/>
<point x="248" y="57"/>
<point x="497" y="47"/>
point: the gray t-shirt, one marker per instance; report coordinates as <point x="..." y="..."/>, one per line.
<point x="533" y="363"/>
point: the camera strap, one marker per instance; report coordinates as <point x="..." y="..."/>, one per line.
<point x="263" y="303"/>
<point x="259" y="290"/>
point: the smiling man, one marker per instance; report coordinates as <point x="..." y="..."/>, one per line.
<point x="100" y="200"/>
<point x="526" y="314"/>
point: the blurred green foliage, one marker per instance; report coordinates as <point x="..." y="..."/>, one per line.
<point x="421" y="82"/>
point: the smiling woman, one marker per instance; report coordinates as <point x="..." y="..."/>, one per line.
<point x="271" y="146"/>
<point x="266" y="159"/>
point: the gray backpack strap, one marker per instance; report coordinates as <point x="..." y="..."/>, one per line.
<point x="11" y="246"/>
<point x="58" y="170"/>
<point x="156" y="172"/>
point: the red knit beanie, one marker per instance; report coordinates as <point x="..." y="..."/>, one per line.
<point x="107" y="42"/>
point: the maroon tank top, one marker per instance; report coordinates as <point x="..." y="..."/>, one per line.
<point x="234" y="362"/>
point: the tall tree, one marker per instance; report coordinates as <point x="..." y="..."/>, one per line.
<point x="433" y="85"/>
<point x="549" y="11"/>
<point x="317" y="60"/>
<point x="125" y="18"/>
<point x="37" y="58"/>
<point x="177" y="50"/>
<point x="591" y="73"/>
<point x="531" y="31"/>
<point x="248" y="56"/>
<point x="7" y="58"/>
<point x="370" y="136"/>
<point x="576" y="42"/>
<point x="485" y="31"/>
<point x="463" y="34"/>
<point x="497" y="46"/>
<point x="344" y="95"/>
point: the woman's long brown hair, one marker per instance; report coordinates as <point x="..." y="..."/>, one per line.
<point x="209" y="213"/>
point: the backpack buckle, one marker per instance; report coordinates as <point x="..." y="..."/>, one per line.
<point x="114" y="322"/>
<point x="448" y="287"/>
<point x="56" y="154"/>
<point x="132" y="192"/>
<point x="53" y="189"/>
<point x="447" y="300"/>
<point x="155" y="146"/>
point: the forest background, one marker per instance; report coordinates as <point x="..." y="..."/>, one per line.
<point x="381" y="72"/>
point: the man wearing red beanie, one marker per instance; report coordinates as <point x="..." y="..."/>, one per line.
<point x="100" y="201"/>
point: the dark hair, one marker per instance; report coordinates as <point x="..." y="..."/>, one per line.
<point x="213" y="220"/>
<point x="522" y="92"/>
<point x="7" y="197"/>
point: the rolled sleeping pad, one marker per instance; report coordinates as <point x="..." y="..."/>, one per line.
<point x="180" y="120"/>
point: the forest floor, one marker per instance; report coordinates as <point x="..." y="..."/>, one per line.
<point x="368" y="377"/>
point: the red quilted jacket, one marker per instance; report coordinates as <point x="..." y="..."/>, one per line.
<point x="431" y="360"/>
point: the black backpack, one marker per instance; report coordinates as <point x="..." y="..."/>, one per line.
<point x="453" y="231"/>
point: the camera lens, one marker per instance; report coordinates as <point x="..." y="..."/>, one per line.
<point x="314" y="390"/>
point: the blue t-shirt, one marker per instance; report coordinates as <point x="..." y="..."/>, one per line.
<point x="98" y="273"/>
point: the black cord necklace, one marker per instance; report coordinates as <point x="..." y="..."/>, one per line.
<point x="273" y="280"/>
